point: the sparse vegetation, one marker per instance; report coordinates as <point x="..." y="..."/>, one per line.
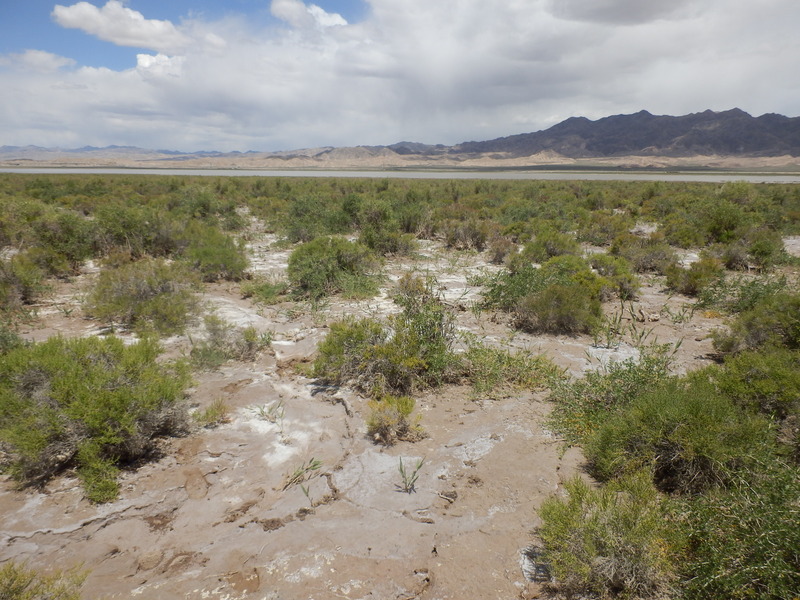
<point x="19" y="582"/>
<point x="698" y="473"/>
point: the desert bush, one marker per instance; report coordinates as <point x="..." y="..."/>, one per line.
<point x="549" y="243"/>
<point x="94" y="403"/>
<point x="501" y="247"/>
<point x="766" y="381"/>
<point x="739" y="294"/>
<point x="63" y="241"/>
<point x="697" y="277"/>
<point x="558" y="309"/>
<point x="389" y="420"/>
<point x="601" y="228"/>
<point x="150" y="294"/>
<point x="689" y="435"/>
<point x="772" y="320"/>
<point x="765" y="247"/>
<point x="582" y="405"/>
<point x="21" y="282"/>
<point x="140" y="230"/>
<point x="329" y="265"/>
<point x="646" y="255"/>
<point x="617" y="541"/>
<point x="744" y="541"/>
<point x="214" y="254"/>
<point x="225" y="342"/>
<point x="19" y="582"/>
<point x="618" y="271"/>
<point x="505" y="289"/>
<point x="381" y="231"/>
<point x="412" y="350"/>
<point x="469" y="234"/>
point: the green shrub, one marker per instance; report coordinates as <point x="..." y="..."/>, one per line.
<point x="150" y="294"/>
<point x="616" y="541"/>
<point x="470" y="234"/>
<point x="744" y="541"/>
<point x="558" y="309"/>
<point x="696" y="278"/>
<point x="740" y="294"/>
<point x="500" y="248"/>
<point x="766" y="381"/>
<point x="690" y="436"/>
<point x="548" y="243"/>
<point x="582" y="405"/>
<point x="773" y="320"/>
<point x="389" y="420"/>
<point x="414" y="349"/>
<point x="214" y="254"/>
<point x="18" y="582"/>
<point x="652" y="255"/>
<point x="618" y="271"/>
<point x="64" y="240"/>
<point x="94" y="403"/>
<point x="21" y="282"/>
<point x="329" y="265"/>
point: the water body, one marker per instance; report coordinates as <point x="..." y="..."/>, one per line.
<point x="538" y="174"/>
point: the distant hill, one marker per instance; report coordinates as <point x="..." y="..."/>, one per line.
<point x="731" y="139"/>
<point x="732" y="132"/>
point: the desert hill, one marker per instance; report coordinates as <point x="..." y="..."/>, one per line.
<point x="729" y="139"/>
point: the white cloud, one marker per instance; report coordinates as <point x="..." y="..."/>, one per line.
<point x="120" y="25"/>
<point x="297" y="14"/>
<point x="432" y="71"/>
<point x="37" y="60"/>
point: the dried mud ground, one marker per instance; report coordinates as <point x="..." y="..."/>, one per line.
<point x="212" y="517"/>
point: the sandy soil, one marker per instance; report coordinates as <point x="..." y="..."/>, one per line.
<point x="214" y="518"/>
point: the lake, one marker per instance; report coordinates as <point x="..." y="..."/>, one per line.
<point x="588" y="175"/>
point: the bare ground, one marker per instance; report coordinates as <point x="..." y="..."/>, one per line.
<point x="214" y="517"/>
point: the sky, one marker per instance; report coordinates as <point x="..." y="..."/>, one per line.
<point x="270" y="75"/>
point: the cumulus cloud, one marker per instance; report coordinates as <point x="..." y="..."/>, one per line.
<point x="120" y="25"/>
<point x="437" y="72"/>
<point x="302" y="16"/>
<point x="37" y="60"/>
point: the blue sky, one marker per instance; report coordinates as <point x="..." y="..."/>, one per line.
<point x="285" y="74"/>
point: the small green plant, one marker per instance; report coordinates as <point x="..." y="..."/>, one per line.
<point x="266" y="290"/>
<point x="19" y="582"/>
<point x="495" y="372"/>
<point x="216" y="413"/>
<point x="389" y="420"/>
<point x="617" y="541"/>
<point x="303" y="473"/>
<point x="225" y="342"/>
<point x="274" y="412"/>
<point x="409" y="478"/>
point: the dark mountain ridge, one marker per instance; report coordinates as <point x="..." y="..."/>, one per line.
<point x="731" y="132"/>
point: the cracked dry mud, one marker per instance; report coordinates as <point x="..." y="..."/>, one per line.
<point x="211" y="518"/>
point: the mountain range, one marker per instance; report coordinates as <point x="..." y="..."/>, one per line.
<point x="728" y="138"/>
